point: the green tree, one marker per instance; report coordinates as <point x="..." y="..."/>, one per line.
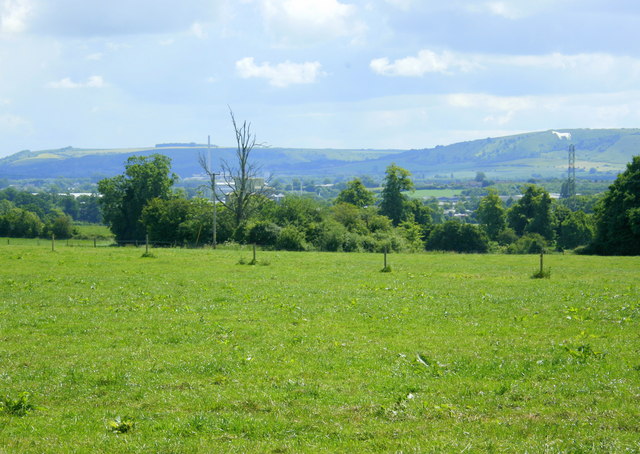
<point x="163" y="218"/>
<point x="178" y="220"/>
<point x="20" y="223"/>
<point x="291" y="238"/>
<point x="298" y="211"/>
<point x="458" y="237"/>
<point x="575" y="230"/>
<point x="349" y="216"/>
<point x="618" y="215"/>
<point x="88" y="208"/>
<point x="264" y="233"/>
<point x="529" y="243"/>
<point x="393" y="201"/>
<point x="125" y="196"/>
<point x="532" y="213"/>
<point x="492" y="215"/>
<point x="61" y="227"/>
<point x="356" y="194"/>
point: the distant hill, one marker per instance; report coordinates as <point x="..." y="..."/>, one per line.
<point x="599" y="153"/>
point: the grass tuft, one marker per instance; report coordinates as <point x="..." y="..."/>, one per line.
<point x="21" y="406"/>
<point x="542" y="274"/>
<point x="121" y="425"/>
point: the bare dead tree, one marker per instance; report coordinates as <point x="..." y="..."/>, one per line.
<point x="241" y="177"/>
<point x="202" y="160"/>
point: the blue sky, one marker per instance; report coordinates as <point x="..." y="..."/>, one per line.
<point x="312" y="73"/>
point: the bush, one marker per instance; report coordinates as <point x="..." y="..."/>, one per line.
<point x="291" y="239"/>
<point x="61" y="227"/>
<point x="264" y="233"/>
<point x="506" y="237"/>
<point x="20" y="223"/>
<point x="388" y="241"/>
<point x="531" y="243"/>
<point x="457" y="237"/>
<point x="351" y="242"/>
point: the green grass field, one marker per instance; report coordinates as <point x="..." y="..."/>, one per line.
<point x="427" y="193"/>
<point x="191" y="351"/>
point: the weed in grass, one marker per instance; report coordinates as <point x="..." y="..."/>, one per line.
<point x="121" y="425"/>
<point x="17" y="407"/>
<point x="253" y="262"/>
<point x="437" y="369"/>
<point x="542" y="274"/>
<point x="582" y="353"/>
<point x="148" y="255"/>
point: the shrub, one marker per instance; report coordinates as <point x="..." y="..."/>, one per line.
<point x="61" y="227"/>
<point x="351" y="242"/>
<point x="458" y="237"/>
<point x="506" y="237"/>
<point x="531" y="243"/>
<point x="291" y="239"/>
<point x="328" y="236"/>
<point x="264" y="233"/>
<point x="20" y="223"/>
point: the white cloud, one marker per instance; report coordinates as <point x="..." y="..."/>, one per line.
<point x="495" y="110"/>
<point x="588" y="69"/>
<point x="593" y="62"/>
<point x="404" y="5"/>
<point x="517" y="9"/>
<point x="295" y="20"/>
<point x="282" y="74"/>
<point x="91" y="82"/>
<point x="95" y="57"/>
<point x="14" y="15"/>
<point x="425" y="62"/>
<point x="198" y="30"/>
<point x="115" y="47"/>
<point x="503" y="9"/>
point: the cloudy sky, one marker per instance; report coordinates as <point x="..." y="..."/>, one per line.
<point x="312" y="73"/>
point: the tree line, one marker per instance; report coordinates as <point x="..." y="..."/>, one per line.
<point x="142" y="201"/>
<point x="27" y="215"/>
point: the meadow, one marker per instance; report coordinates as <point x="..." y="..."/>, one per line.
<point x="428" y="193"/>
<point x="194" y="350"/>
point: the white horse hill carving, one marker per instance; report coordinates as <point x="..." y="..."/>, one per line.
<point x="562" y="135"/>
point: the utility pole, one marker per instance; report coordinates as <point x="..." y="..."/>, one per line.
<point x="212" y="176"/>
<point x="571" y="172"/>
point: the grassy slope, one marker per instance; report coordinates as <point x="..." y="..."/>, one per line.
<point x="518" y="156"/>
<point x="318" y="352"/>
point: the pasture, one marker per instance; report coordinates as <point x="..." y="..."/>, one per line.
<point x="428" y="193"/>
<point x="192" y="351"/>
